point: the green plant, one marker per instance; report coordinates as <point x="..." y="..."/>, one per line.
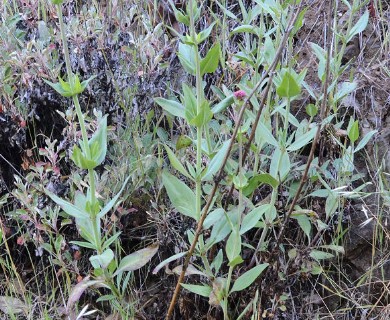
<point x="110" y="271"/>
<point x="267" y="139"/>
<point x="196" y="110"/>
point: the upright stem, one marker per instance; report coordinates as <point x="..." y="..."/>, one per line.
<point x="80" y="116"/>
<point x="199" y="100"/>
<point x="70" y="78"/>
<point x="64" y="41"/>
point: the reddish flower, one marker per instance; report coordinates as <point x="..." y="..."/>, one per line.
<point x="240" y="94"/>
<point x="20" y="240"/>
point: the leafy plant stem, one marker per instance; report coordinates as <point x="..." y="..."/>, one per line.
<point x="199" y="99"/>
<point x="269" y="73"/>
<point x="91" y="174"/>
<point x="316" y="137"/>
<point x="198" y="180"/>
<point x="340" y="53"/>
<point x="64" y="41"/>
<point x="240" y="178"/>
<point x="70" y="78"/>
<point x="225" y="299"/>
<point x="82" y="128"/>
<point x="286" y="119"/>
<point x="259" y="245"/>
<point x="80" y="117"/>
<point x="263" y="233"/>
<point x="220" y="174"/>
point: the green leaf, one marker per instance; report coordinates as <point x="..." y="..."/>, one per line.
<point x="233" y="245"/>
<point x="65" y="85"/>
<point x="216" y="163"/>
<point x="173" y="107"/>
<point x="311" y="110"/>
<point x="112" y="202"/>
<point x="213" y="217"/>
<point x="57" y="87"/>
<point x="102" y="260"/>
<point x="270" y="214"/>
<point x="183" y="142"/>
<point x="284" y="165"/>
<point x="98" y="142"/>
<point x="359" y="26"/>
<point x="280" y="164"/>
<point x="331" y="204"/>
<point x="365" y="140"/>
<point x="179" y="15"/>
<point x="320" y="255"/>
<point x="304" y="222"/>
<point x="210" y="63"/>
<point x="203" y="117"/>
<point x="221" y="229"/>
<point x="85" y="83"/>
<point x="353" y="132"/>
<point x="68" y="207"/>
<point x="251" y="219"/>
<point x="263" y="132"/>
<point x="223" y="104"/>
<point x="71" y="87"/>
<point x="203" y="291"/>
<point x="187" y="55"/>
<point x="137" y="259"/>
<point x="269" y="49"/>
<point x="246" y="28"/>
<point x="182" y="197"/>
<point x="176" y="163"/>
<point x="299" y="22"/>
<point x="189" y="103"/>
<point x="217" y="262"/>
<point x="240" y="181"/>
<point x="81" y="160"/>
<point x="236" y="261"/>
<point x="111" y="240"/>
<point x="166" y="261"/>
<point x="258" y="180"/>
<point x="289" y="87"/>
<point x="245" y="280"/>
<point x="345" y="89"/>
<point x="97" y="146"/>
<point x="321" y="55"/>
<point x="292" y="253"/>
<point x="303" y="140"/>
<point x="84" y="244"/>
<point x="245" y="57"/>
<point x="204" y="34"/>
<point x="86" y="230"/>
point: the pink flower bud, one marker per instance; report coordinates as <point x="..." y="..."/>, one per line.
<point x="240" y="94"/>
